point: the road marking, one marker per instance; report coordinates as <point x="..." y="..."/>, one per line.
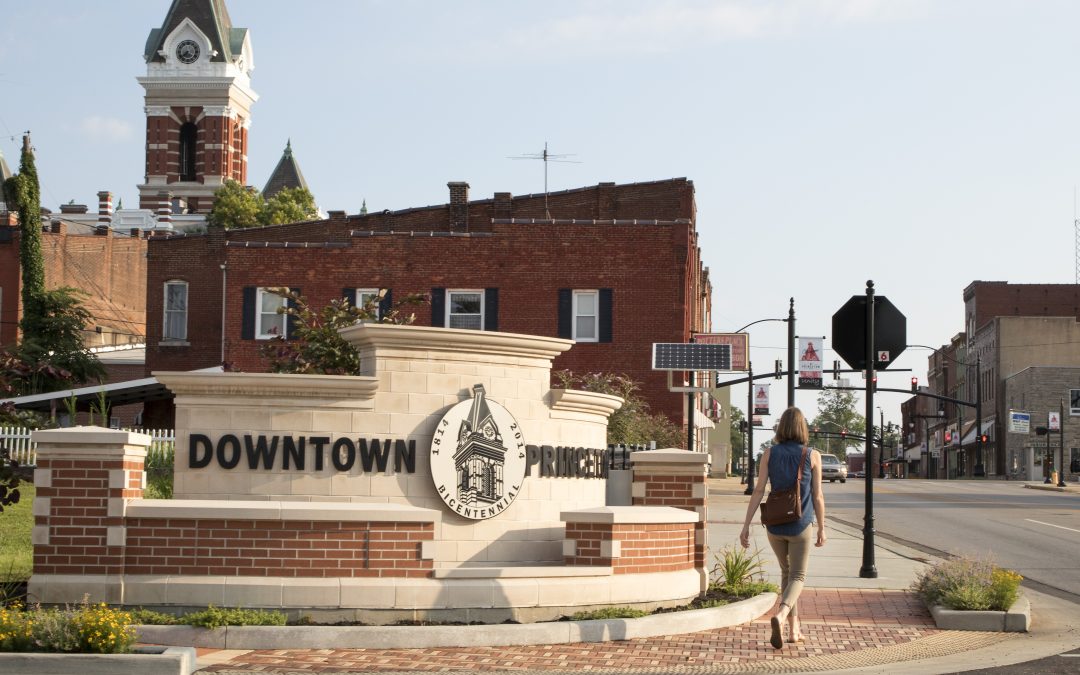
<point x="1062" y="527"/>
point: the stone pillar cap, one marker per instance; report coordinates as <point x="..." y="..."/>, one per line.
<point x="669" y="456"/>
<point x="89" y="436"/>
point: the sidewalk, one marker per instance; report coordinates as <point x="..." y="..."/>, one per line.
<point x="851" y="625"/>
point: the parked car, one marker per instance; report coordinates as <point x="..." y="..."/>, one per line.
<point x="832" y="469"/>
<point x="859" y="474"/>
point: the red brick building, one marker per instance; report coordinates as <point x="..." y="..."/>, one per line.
<point x="615" y="267"/>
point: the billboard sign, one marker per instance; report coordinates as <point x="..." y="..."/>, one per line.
<point x="740" y="347"/>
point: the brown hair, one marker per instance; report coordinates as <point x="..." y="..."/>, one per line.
<point x="792" y="427"/>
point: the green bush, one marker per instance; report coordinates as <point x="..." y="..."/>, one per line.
<point x="609" y="613"/>
<point x="148" y="617"/>
<point x="215" y="617"/>
<point x="967" y="583"/>
<point x="159" y="471"/>
<point x="736" y="565"/>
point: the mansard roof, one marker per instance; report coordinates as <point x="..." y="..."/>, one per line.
<point x="286" y="174"/>
<point x="211" y="17"/>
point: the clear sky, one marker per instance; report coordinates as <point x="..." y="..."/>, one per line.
<point x="920" y="144"/>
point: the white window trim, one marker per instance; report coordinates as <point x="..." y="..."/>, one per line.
<point x="596" y="315"/>
<point x="165" y="310"/>
<point x="360" y="292"/>
<point x="259" y="335"/>
<point x="449" y="304"/>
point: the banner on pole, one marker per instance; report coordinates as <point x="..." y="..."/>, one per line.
<point x="810" y="353"/>
<point x="761" y="399"/>
<point x="1054" y="421"/>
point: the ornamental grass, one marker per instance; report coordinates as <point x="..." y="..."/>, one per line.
<point x="968" y="583"/>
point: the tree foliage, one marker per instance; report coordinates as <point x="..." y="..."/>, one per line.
<point x="836" y="413"/>
<point x="315" y="346"/>
<point x="23" y="191"/>
<point x="56" y="351"/>
<point x="737" y="440"/>
<point x="633" y="423"/>
<point x="237" y="206"/>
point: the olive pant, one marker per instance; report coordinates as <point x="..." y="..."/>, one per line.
<point x="793" y="552"/>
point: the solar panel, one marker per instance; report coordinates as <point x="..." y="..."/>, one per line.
<point x="680" y="356"/>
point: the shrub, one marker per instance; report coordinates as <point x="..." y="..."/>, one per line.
<point x="609" y="613"/>
<point x="159" y="471"/>
<point x="967" y="583"/>
<point x="736" y="565"/>
<point x="85" y="628"/>
<point x="215" y="617"/>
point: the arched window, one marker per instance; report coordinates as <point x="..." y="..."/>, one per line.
<point x="188" y="134"/>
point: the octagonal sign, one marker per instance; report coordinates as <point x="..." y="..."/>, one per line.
<point x="849" y="332"/>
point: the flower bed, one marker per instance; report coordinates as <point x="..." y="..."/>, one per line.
<point x="967" y="593"/>
<point x="86" y="628"/>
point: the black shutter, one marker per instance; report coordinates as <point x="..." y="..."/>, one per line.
<point x="386" y="303"/>
<point x="491" y="309"/>
<point x="438" y="307"/>
<point x="290" y="320"/>
<point x="248" y="311"/>
<point x="605" y="315"/>
<point x="350" y="296"/>
<point x="566" y="313"/>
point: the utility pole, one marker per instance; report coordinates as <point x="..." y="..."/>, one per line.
<point x="791" y="353"/>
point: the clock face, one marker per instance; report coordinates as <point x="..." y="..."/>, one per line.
<point x="187" y="51"/>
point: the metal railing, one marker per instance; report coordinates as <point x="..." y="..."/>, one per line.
<point x="24" y="451"/>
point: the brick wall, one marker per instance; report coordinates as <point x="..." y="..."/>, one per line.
<point x="276" y="548"/>
<point x="985" y="300"/>
<point x="111" y="270"/>
<point x="641" y="548"/>
<point x="653" y="269"/>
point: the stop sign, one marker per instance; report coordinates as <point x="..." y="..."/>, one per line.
<point x="849" y="332"/>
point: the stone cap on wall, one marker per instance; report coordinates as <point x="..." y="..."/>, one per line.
<point x="587" y="402"/>
<point x="89" y="441"/>
<point x="669" y="456"/>
<point x="620" y="515"/>
<point x="225" y="509"/>
<point x="388" y="340"/>
<point x="269" y="385"/>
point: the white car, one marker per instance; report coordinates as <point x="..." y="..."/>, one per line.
<point x="832" y="469"/>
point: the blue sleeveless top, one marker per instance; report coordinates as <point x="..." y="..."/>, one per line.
<point x="783" y="465"/>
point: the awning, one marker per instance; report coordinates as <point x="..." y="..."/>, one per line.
<point x="969" y="432"/>
<point x="116" y="393"/>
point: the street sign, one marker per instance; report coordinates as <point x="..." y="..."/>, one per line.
<point x="849" y="332"/>
<point x="1019" y="422"/>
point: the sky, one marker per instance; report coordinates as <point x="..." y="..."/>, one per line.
<point x="920" y="144"/>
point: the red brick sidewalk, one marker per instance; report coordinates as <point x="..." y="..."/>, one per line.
<point x="834" y="622"/>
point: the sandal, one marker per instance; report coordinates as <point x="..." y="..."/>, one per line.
<point x="776" y="640"/>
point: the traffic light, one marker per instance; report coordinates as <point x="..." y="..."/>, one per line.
<point x="984" y="438"/>
<point x="948" y="437"/>
<point x="843" y="434"/>
<point x="778" y="364"/>
<point x="836" y="369"/>
<point x="914" y="384"/>
<point x="874" y="382"/>
<point x="742" y="426"/>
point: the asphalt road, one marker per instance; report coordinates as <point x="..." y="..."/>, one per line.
<point x="1034" y="532"/>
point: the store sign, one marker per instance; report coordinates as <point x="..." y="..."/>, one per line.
<point x="1019" y="422"/>
<point x="810" y="352"/>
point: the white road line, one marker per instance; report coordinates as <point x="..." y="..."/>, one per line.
<point x="1061" y="527"/>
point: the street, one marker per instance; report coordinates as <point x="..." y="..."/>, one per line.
<point x="1034" y="532"/>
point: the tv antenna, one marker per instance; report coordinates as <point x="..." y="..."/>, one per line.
<point x="547" y="157"/>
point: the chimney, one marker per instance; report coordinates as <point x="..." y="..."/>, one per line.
<point x="503" y="205"/>
<point x="164" y="210"/>
<point x="58" y="227"/>
<point x="459" y="205"/>
<point x="605" y="201"/>
<point x="105" y="208"/>
<point x="135" y="233"/>
<point x="73" y="209"/>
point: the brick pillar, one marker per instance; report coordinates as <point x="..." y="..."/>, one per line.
<point x="164" y="209"/>
<point x="673" y="477"/>
<point x="105" y="208"/>
<point x="459" y="205"/>
<point x="85" y="476"/>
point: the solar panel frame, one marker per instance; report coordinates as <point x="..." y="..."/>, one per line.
<point x="683" y="356"/>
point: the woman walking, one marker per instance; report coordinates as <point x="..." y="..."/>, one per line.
<point x="790" y="541"/>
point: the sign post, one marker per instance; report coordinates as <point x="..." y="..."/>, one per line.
<point x="869" y="333"/>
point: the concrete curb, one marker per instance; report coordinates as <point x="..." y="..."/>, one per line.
<point x="421" y="637"/>
<point x="1051" y="487"/>
<point x="146" y="661"/>
<point x="1016" y="620"/>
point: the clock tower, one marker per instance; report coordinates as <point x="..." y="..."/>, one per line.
<point x="198" y="106"/>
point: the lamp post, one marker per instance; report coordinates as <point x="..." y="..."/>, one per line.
<point x="749" y="427"/>
<point x="1061" y="445"/>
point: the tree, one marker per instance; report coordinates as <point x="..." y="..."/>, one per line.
<point x="237" y="206"/>
<point x="836" y="413"/>
<point x="23" y="191"/>
<point x="315" y="346"/>
<point x="633" y="423"/>
<point x="57" y="352"/>
<point x="738" y="441"/>
<point x="291" y="205"/>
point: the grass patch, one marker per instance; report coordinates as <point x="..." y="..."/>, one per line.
<point x="16" y="551"/>
<point x="609" y="613"/>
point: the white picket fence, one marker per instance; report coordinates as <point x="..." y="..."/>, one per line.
<point x="24" y="451"/>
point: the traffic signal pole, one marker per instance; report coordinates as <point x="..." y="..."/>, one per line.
<point x="869" y="568"/>
<point x="749" y="428"/>
<point x="791" y="354"/>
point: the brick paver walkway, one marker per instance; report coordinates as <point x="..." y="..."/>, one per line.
<point x="835" y="622"/>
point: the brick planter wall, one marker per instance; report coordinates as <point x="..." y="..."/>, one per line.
<point x="633" y="548"/>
